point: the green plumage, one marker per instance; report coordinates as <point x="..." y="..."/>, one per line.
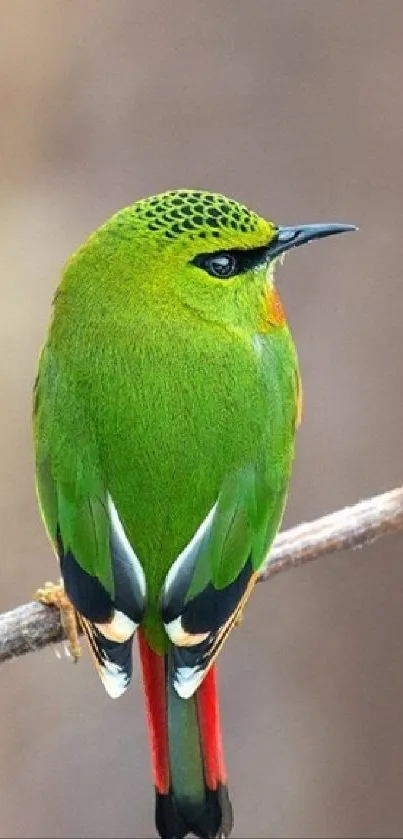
<point x="167" y="388"/>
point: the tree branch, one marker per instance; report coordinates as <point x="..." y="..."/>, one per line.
<point x="33" y="626"/>
<point x="351" y="527"/>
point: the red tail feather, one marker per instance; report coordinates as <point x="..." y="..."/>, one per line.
<point x="210" y="730"/>
<point x="153" y="667"/>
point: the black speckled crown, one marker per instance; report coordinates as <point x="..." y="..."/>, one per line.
<point x="193" y="212"/>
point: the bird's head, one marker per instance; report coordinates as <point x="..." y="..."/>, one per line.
<point x="209" y="254"/>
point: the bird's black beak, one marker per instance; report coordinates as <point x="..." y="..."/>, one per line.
<point x="292" y="237"/>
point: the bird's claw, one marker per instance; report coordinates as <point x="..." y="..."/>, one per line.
<point x="53" y="594"/>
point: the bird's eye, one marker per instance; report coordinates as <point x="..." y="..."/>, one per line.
<point x="221" y="265"/>
<point x="226" y="264"/>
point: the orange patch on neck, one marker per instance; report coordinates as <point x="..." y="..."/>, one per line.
<point x="272" y="311"/>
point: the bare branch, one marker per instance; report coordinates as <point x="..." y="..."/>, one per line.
<point x="351" y="527"/>
<point x="28" y="628"/>
<point x="33" y="626"/>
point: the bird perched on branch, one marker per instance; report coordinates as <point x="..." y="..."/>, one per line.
<point x="166" y="405"/>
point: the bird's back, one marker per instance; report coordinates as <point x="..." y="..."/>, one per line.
<point x="183" y="407"/>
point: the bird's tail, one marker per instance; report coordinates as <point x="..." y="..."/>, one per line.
<point x="188" y="764"/>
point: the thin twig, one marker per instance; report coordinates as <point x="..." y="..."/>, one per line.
<point x="351" y="527"/>
<point x="33" y="626"/>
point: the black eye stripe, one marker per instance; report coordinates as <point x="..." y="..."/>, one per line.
<point x="239" y="261"/>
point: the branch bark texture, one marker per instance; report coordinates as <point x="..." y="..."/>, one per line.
<point x="33" y="626"/>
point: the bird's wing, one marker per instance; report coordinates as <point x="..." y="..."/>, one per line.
<point x="209" y="583"/>
<point x="102" y="575"/>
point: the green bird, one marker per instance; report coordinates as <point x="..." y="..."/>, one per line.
<point x="165" y="410"/>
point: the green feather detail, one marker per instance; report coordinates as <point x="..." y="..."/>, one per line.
<point x="71" y="493"/>
<point x="47" y="497"/>
<point x="84" y="528"/>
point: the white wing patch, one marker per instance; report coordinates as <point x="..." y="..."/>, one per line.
<point x="187" y="680"/>
<point x="119" y="629"/>
<point x="113" y="678"/>
<point x="126" y="549"/>
<point x="180" y="637"/>
<point x="183" y="565"/>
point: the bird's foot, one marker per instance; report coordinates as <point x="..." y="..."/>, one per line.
<point x="53" y="594"/>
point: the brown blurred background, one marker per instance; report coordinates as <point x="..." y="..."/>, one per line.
<point x="295" y="107"/>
